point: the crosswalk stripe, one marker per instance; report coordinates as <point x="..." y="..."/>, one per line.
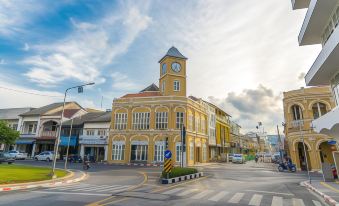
<point x="113" y="189"/>
<point x="236" y="198"/>
<point x="297" y="202"/>
<point x="69" y="187"/>
<point x="187" y="192"/>
<point x="202" y="194"/>
<point x="172" y="191"/>
<point x="218" y="196"/>
<point x="277" y="201"/>
<point x="96" y="187"/>
<point x="255" y="200"/>
<point x="316" y="203"/>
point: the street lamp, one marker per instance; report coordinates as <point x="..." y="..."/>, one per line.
<point x="80" y="90"/>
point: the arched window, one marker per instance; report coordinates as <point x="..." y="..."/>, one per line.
<point x="297" y="113"/>
<point x="319" y="109"/>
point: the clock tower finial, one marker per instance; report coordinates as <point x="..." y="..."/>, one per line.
<point x="172" y="80"/>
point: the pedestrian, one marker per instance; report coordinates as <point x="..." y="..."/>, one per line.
<point x="256" y="159"/>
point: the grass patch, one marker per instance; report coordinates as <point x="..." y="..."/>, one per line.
<point x="180" y="171"/>
<point x="10" y="174"/>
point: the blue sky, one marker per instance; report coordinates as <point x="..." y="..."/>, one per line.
<point x="241" y="54"/>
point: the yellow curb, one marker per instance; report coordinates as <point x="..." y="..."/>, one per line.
<point x="329" y="186"/>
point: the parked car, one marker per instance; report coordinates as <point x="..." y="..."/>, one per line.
<point x="238" y="158"/>
<point x="5" y="157"/>
<point x="17" y="155"/>
<point x="230" y="157"/>
<point x="45" y="156"/>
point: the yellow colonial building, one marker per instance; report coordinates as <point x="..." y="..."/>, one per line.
<point x="300" y="108"/>
<point x="142" y="122"/>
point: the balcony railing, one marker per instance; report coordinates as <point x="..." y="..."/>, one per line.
<point x="49" y="133"/>
<point x="303" y="124"/>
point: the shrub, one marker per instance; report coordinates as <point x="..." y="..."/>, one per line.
<point x="180" y="171"/>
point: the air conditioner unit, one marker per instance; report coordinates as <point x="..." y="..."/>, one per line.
<point x="101" y="137"/>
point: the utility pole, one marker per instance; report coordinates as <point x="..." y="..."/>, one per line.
<point x="69" y="140"/>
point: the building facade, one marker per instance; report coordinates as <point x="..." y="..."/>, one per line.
<point x="142" y="122"/>
<point x="320" y="26"/>
<point x="301" y="107"/>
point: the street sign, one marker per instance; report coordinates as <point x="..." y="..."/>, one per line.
<point x="331" y="142"/>
<point x="168" y="165"/>
<point x="168" y="154"/>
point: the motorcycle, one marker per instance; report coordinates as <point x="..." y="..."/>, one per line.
<point x="86" y="165"/>
<point x="286" y="167"/>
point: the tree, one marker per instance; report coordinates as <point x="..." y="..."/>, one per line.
<point x="7" y="134"/>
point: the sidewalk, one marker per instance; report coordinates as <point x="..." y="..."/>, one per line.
<point x="265" y="165"/>
<point x="74" y="176"/>
<point x="327" y="190"/>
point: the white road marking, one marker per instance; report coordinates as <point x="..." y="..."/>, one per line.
<point x="202" y="194"/>
<point x="71" y="193"/>
<point x="268" y="192"/>
<point x="255" y="200"/>
<point x="277" y="201"/>
<point x="297" y="202"/>
<point x="218" y="196"/>
<point x="97" y="188"/>
<point x="316" y="203"/>
<point x="172" y="191"/>
<point x="236" y="198"/>
<point x="68" y="187"/>
<point x="187" y="192"/>
<point x="116" y="189"/>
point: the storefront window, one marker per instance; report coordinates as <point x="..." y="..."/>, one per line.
<point x="118" y="152"/>
<point x="159" y="151"/>
<point x="178" y="151"/>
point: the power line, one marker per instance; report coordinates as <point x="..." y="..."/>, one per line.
<point x="31" y="93"/>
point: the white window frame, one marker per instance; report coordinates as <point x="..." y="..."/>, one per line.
<point x="176" y="85"/>
<point x="191" y="151"/>
<point x="204" y="152"/>
<point x="178" y="152"/>
<point x="190" y="122"/>
<point x="101" y="132"/>
<point x="159" y="150"/>
<point x="141" y="121"/>
<point x="90" y="132"/>
<point x="118" y="150"/>
<point x="180" y="117"/>
<point x="161" y="120"/>
<point x="120" y="121"/>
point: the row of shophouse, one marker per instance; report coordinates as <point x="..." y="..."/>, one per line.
<point x="138" y="126"/>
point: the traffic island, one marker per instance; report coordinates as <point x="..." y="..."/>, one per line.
<point x="179" y="174"/>
<point x="18" y="177"/>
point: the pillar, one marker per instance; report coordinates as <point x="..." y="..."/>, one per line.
<point x="33" y="150"/>
<point x="106" y="150"/>
<point x="82" y="151"/>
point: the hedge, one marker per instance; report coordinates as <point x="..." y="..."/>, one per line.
<point x="179" y="171"/>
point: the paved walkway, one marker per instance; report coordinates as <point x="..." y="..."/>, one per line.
<point x="328" y="188"/>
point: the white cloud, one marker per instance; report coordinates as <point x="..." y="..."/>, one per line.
<point x="15" y="14"/>
<point x="252" y="106"/>
<point x="86" y="51"/>
<point x="13" y="96"/>
<point x="122" y="82"/>
<point x="2" y="61"/>
<point x="26" y="47"/>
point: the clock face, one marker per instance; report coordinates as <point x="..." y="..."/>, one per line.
<point x="176" y="67"/>
<point x="164" y="67"/>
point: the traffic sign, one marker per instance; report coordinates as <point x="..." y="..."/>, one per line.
<point x="168" y="154"/>
<point x="168" y="165"/>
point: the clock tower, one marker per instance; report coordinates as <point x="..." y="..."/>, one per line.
<point x="172" y="80"/>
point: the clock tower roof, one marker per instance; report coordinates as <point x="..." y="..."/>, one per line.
<point x="173" y="52"/>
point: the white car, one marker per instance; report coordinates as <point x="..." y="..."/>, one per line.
<point x="17" y="155"/>
<point x="238" y="158"/>
<point x="45" y="156"/>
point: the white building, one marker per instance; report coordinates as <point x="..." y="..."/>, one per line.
<point x="320" y="26"/>
<point x="94" y="139"/>
<point x="11" y="116"/>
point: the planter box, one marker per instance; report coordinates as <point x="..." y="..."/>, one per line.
<point x="181" y="178"/>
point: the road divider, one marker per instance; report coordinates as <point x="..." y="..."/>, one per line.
<point x="182" y="178"/>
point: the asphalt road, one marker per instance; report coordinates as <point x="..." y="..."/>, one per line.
<point x="223" y="184"/>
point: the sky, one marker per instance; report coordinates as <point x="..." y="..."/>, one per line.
<point x="242" y="55"/>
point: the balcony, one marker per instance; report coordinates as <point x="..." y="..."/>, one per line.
<point x="48" y="134"/>
<point x="318" y="14"/>
<point x="328" y="124"/>
<point x="300" y="4"/>
<point x="304" y="124"/>
<point x="326" y="64"/>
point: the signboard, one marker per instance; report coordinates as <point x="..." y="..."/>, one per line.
<point x="168" y="165"/>
<point x="331" y="142"/>
<point x="168" y="154"/>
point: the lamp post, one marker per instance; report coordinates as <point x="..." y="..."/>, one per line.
<point x="69" y="140"/>
<point x="56" y="147"/>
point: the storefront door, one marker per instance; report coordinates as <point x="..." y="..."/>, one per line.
<point x="139" y="152"/>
